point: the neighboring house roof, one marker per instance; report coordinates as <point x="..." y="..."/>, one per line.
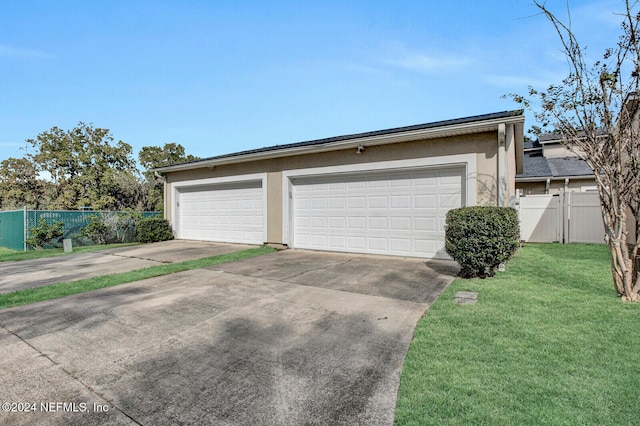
<point x="531" y="145"/>
<point x="459" y="126"/>
<point x="569" y="166"/>
<point x="549" y="137"/>
<point x="537" y="167"/>
<point x="553" y="137"/>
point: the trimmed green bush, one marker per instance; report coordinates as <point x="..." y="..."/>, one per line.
<point x="96" y="230"/>
<point x="153" y="229"/>
<point x="481" y="238"/>
<point x="41" y="235"/>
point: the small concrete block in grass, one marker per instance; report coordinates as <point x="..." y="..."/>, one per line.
<point x="465" y="298"/>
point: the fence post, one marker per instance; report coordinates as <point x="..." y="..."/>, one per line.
<point x="561" y="217"/>
<point x="566" y="208"/>
<point x="568" y="217"/>
<point x="26" y="230"/>
<point x="559" y="200"/>
<point x="515" y="203"/>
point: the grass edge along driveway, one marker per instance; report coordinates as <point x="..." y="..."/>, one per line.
<point x="548" y="342"/>
<point x="8" y="255"/>
<point x="53" y="291"/>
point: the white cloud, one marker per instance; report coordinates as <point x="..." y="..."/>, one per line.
<point x="556" y="55"/>
<point x="22" y="53"/>
<point x="431" y="62"/>
<point x="426" y="63"/>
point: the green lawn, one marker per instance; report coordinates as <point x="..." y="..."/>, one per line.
<point x="39" y="294"/>
<point x="547" y="343"/>
<point x="8" y="255"/>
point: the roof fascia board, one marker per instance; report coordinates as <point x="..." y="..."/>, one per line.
<point x="403" y="136"/>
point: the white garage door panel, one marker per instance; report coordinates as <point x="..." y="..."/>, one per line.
<point x="225" y="212"/>
<point x="397" y="213"/>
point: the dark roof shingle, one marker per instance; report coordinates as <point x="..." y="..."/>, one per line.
<point x="569" y="166"/>
<point x="532" y="145"/>
<point x="536" y="165"/>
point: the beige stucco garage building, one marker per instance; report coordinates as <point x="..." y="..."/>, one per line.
<point x="380" y="192"/>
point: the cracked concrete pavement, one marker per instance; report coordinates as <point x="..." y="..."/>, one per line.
<point x="288" y="338"/>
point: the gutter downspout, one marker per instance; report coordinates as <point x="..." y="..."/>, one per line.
<point x="502" y="129"/>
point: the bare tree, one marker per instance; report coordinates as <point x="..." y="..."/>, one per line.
<point x="595" y="111"/>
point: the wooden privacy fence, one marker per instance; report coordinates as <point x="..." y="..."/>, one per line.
<point x="572" y="217"/>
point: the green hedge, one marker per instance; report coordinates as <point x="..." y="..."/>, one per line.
<point x="42" y="234"/>
<point x="481" y="238"/>
<point x="153" y="230"/>
<point x="96" y="230"/>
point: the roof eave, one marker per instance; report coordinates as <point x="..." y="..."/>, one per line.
<point x="402" y="136"/>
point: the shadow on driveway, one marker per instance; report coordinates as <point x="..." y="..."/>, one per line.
<point x="411" y="279"/>
<point x="295" y="345"/>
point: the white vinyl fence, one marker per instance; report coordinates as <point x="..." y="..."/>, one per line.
<point x="574" y="217"/>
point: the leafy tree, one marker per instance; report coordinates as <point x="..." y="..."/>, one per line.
<point x="20" y="185"/>
<point x="129" y="192"/>
<point x="595" y="111"/>
<point x="86" y="167"/>
<point x="151" y="157"/>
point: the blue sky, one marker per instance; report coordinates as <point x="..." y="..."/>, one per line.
<point x="224" y="76"/>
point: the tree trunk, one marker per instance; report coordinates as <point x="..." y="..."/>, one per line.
<point x="624" y="266"/>
<point x="615" y="271"/>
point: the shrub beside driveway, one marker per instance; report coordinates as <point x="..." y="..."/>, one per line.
<point x="547" y="343"/>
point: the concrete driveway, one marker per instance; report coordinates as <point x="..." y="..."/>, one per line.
<point x="39" y="272"/>
<point x="289" y="338"/>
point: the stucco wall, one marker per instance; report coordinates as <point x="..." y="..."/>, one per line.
<point x="555" y="186"/>
<point x="510" y="174"/>
<point x="483" y="144"/>
<point x="557" y="150"/>
<point x="487" y="179"/>
<point x="274" y="206"/>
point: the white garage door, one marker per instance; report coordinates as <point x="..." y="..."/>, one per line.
<point x="393" y="213"/>
<point x="230" y="212"/>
